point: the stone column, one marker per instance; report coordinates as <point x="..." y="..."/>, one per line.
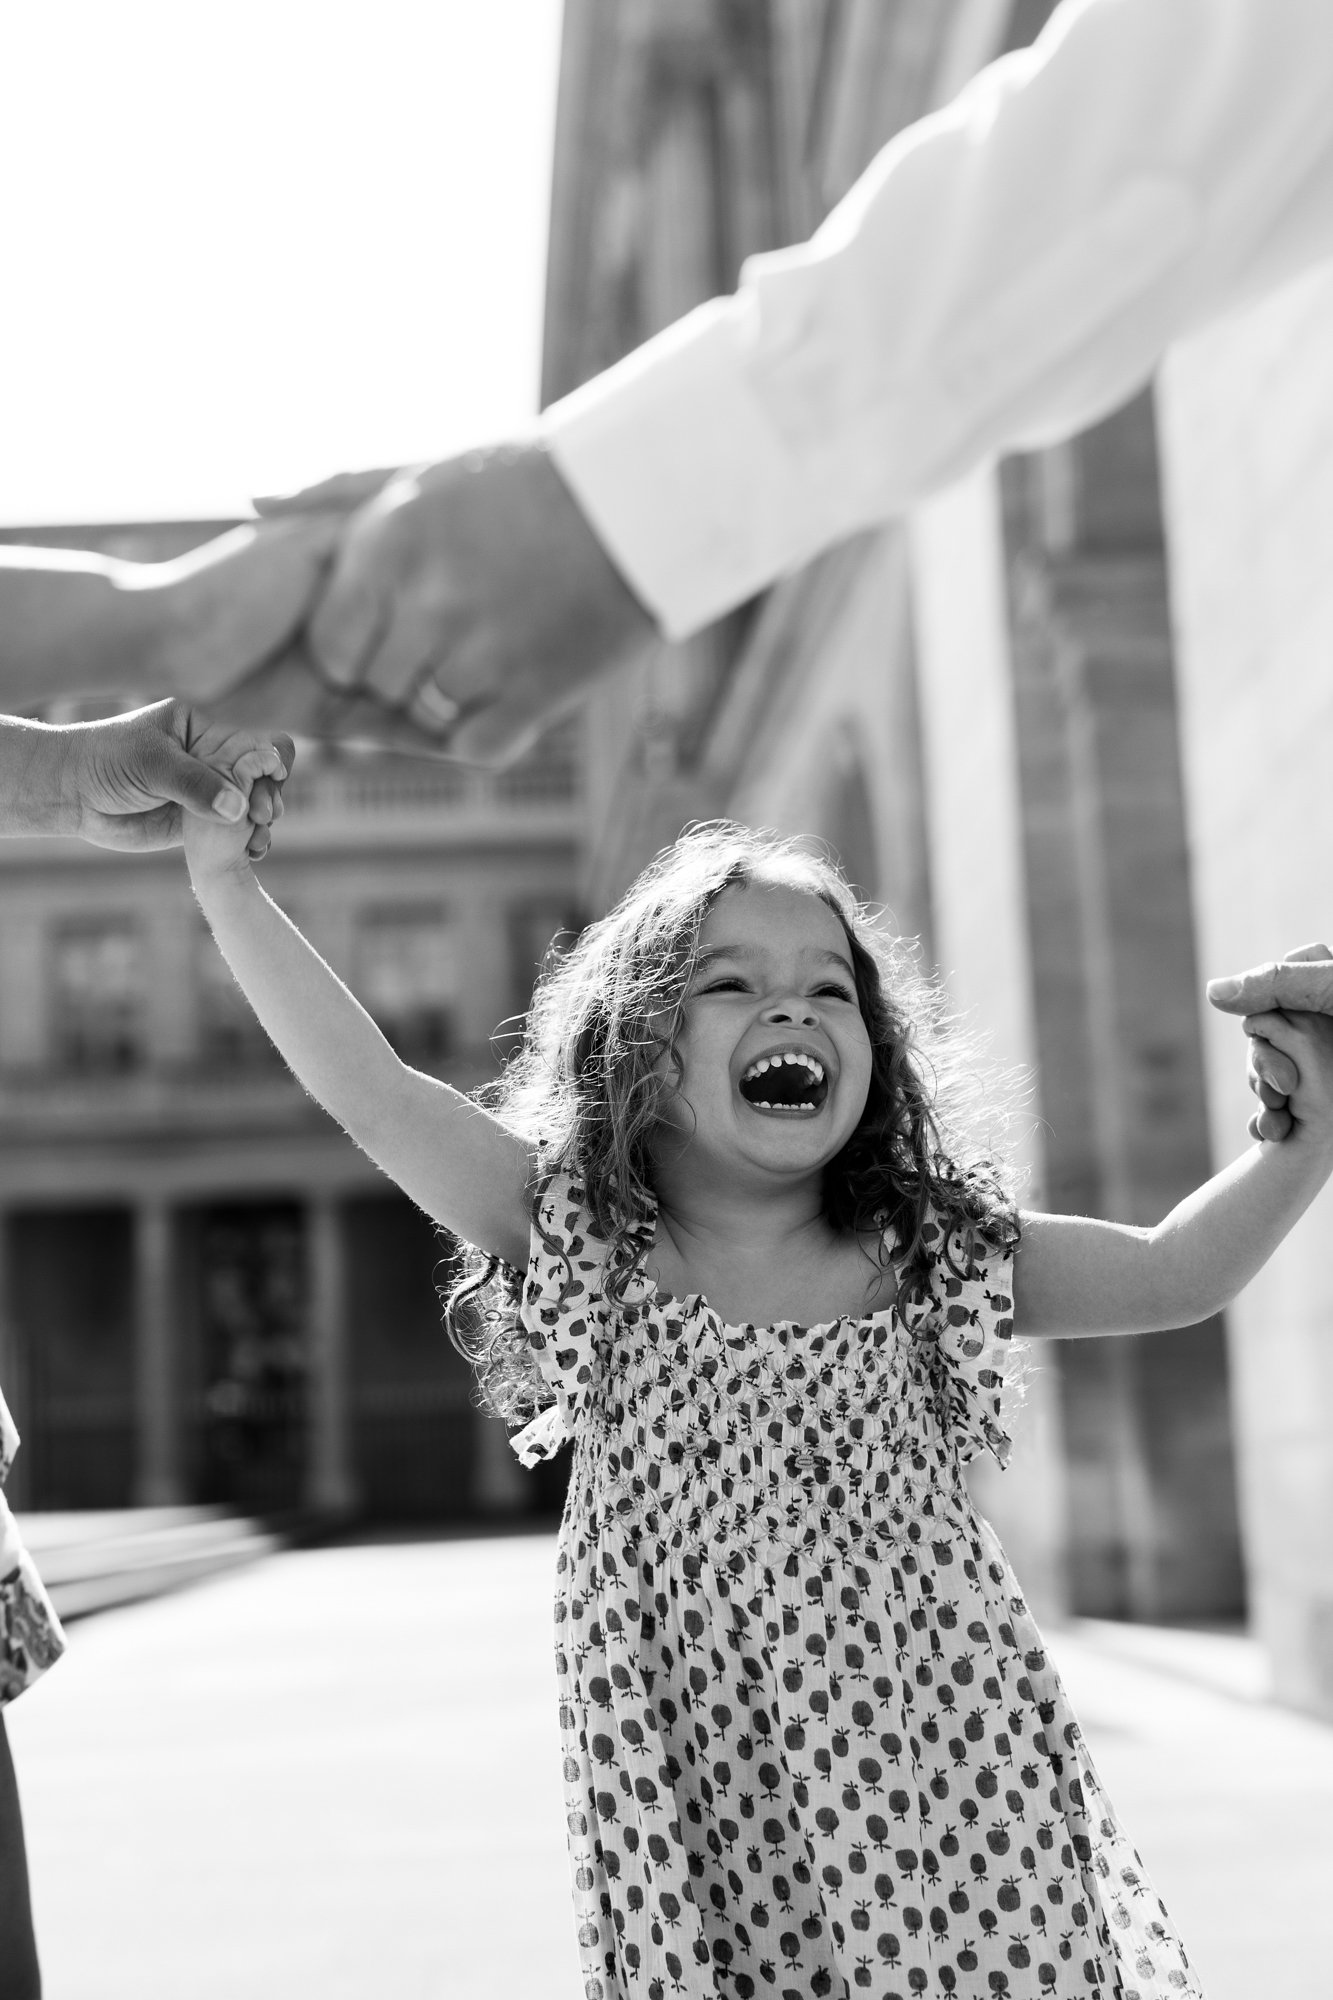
<point x="980" y="896"/>
<point x="1247" y="419"/>
<point x="330" y="1486"/>
<point x="157" y="1467"/>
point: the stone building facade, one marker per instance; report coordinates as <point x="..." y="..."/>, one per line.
<point x="209" y="1294"/>
<point x="975" y="708"/>
<point x="1246" y="414"/>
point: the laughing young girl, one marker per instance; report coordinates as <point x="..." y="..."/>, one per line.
<point x="727" y="1231"/>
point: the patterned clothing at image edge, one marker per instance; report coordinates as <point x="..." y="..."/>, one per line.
<point x="813" y="1743"/>
<point x="30" y="1636"/>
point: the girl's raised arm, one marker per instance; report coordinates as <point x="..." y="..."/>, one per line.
<point x="450" y="1155"/>
<point x="1076" y="1275"/>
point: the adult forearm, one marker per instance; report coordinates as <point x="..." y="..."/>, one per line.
<point x="73" y="622"/>
<point x="34" y="796"/>
<point x="1006" y="271"/>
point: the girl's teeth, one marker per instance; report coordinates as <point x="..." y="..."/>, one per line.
<point x="765" y="1063"/>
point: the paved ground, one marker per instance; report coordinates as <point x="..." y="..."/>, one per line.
<point x="335" y="1774"/>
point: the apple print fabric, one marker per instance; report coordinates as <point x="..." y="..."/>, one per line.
<point x="813" y="1743"/>
<point x="30" y="1636"/>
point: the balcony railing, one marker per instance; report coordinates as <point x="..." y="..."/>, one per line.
<point x="370" y="784"/>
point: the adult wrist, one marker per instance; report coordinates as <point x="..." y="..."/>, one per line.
<point x="38" y="791"/>
<point x="149" y="628"/>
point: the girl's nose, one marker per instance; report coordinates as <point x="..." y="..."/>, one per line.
<point x="791" y="1012"/>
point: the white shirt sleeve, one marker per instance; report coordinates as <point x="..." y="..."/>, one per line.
<point x="1006" y="271"/>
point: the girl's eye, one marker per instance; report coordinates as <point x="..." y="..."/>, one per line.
<point x="724" y="985"/>
<point x="839" y="992"/>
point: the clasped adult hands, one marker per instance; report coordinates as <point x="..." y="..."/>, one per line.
<point x="469" y="603"/>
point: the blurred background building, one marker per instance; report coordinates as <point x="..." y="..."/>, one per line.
<point x="976" y="710"/>
<point x="211" y="1295"/>
<point x="1034" y="721"/>
<point x="983" y="710"/>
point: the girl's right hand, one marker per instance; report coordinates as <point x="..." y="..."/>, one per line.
<point x="1272" y="1077"/>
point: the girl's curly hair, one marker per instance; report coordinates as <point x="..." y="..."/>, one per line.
<point x="587" y="1086"/>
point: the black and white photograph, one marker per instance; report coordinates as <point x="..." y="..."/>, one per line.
<point x="666" y="1000"/>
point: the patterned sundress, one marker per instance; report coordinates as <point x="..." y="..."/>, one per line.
<point x="813" y="1743"/>
<point x="30" y="1636"/>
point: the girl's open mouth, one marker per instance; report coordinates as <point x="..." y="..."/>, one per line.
<point x="791" y="1085"/>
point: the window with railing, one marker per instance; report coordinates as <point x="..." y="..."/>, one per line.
<point x="337" y="779"/>
<point x="97" y="1023"/>
<point x="407" y="977"/>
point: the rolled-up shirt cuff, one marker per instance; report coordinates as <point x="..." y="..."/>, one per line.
<point x="672" y="457"/>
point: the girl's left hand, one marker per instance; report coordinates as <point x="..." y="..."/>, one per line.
<point x="1291" y="1072"/>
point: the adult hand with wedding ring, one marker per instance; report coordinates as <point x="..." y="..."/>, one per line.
<point x="470" y="603"/>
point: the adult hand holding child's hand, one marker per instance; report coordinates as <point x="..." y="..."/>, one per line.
<point x="137" y="781"/>
<point x="470" y="601"/>
<point x="1291" y="1072"/>
<point x="1300" y="983"/>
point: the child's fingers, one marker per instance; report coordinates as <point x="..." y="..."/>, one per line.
<point x="1284" y="1033"/>
<point x="266" y="804"/>
<point x="1271" y="1125"/>
<point x="263" y="761"/>
<point x="1263" y="1024"/>
<point x="1270" y="1069"/>
<point x="263" y="769"/>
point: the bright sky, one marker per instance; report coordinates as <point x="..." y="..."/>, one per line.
<point x="250" y="242"/>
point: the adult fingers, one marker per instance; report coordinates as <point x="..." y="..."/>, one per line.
<point x="170" y="773"/>
<point x="342" y="494"/>
<point x="360" y="600"/>
<point x="212" y="769"/>
<point x="417" y="635"/>
<point x="1302" y="981"/>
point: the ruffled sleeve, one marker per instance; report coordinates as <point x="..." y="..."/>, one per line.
<point x="30" y="1636"/>
<point x="564" y="1314"/>
<point x="970" y="1318"/>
